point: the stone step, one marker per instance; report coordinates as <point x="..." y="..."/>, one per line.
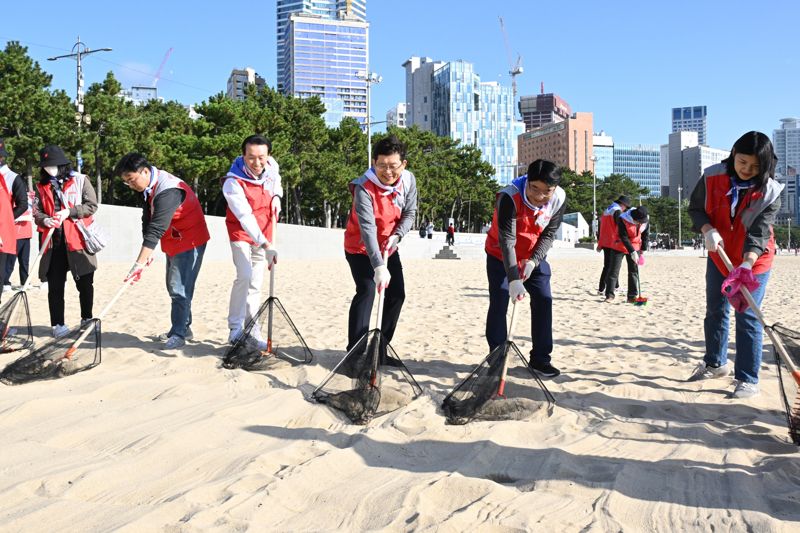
<point x="446" y="252"/>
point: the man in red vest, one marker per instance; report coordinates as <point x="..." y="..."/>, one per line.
<point x="8" y="237"/>
<point x="17" y="187"/>
<point x="172" y="215"/>
<point x="526" y="217"/>
<point x="606" y="233"/>
<point x="384" y="208"/>
<point x="252" y="190"/>
<point x="629" y="241"/>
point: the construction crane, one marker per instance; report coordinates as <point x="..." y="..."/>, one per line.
<point x="515" y="68"/>
<point x="161" y="67"/>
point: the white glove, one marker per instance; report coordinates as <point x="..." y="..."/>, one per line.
<point x="392" y="243"/>
<point x="713" y="239"/>
<point x="382" y="277"/>
<point x="746" y="265"/>
<point x="52" y="222"/>
<point x="635" y="256"/>
<point x="516" y="290"/>
<point x="276" y="206"/>
<point x="271" y="255"/>
<point x="135" y="273"/>
<point x="528" y="269"/>
<point x="62" y="215"/>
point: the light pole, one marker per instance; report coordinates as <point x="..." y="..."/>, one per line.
<point x="680" y="241"/>
<point x="78" y="51"/>
<point x="369" y="78"/>
<point x="789" y="236"/>
<point x="593" y="159"/>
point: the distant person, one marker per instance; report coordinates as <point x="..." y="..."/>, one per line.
<point x="734" y="205"/>
<point x="606" y="234"/>
<point x="630" y="242"/>
<point x="526" y="217"/>
<point x="171" y="215"/>
<point x="429" y="230"/>
<point x="383" y="210"/>
<point x="422" y="231"/>
<point x="21" y="205"/>
<point x="451" y="235"/>
<point x="65" y="198"/>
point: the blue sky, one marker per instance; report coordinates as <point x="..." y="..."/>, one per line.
<point x="628" y="62"/>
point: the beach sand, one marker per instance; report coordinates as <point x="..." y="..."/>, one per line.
<point x="152" y="442"/>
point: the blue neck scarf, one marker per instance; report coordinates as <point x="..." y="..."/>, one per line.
<point x="737" y="185"/>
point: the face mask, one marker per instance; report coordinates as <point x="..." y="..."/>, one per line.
<point x="52" y="171"/>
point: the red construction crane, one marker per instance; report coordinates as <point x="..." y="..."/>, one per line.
<point x="161" y="67"/>
<point x="515" y="69"/>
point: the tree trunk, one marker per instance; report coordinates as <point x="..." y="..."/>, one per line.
<point x="326" y="207"/>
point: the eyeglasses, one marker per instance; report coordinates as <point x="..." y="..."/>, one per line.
<point x="131" y="179"/>
<point x="389" y="167"/>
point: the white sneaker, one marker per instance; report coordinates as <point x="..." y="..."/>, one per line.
<point x="703" y="371"/>
<point x="745" y="390"/>
<point x="174" y="342"/>
<point x="189" y="335"/>
<point x="60" y="331"/>
<point x="7" y="288"/>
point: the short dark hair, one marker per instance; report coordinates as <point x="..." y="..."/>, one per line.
<point x="757" y="144"/>
<point x="258" y="140"/>
<point x="388" y="146"/>
<point x="131" y="162"/>
<point x="544" y="171"/>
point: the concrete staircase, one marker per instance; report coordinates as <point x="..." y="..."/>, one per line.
<point x="447" y="252"/>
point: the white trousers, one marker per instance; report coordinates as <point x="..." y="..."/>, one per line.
<point x="246" y="291"/>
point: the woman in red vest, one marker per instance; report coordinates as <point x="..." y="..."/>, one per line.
<point x="734" y="205"/>
<point x="64" y="198"/>
<point x="8" y="238"/>
<point x="605" y="233"/>
<point x="628" y="241"/>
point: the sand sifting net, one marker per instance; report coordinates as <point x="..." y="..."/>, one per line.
<point x="791" y="344"/>
<point x="77" y="351"/>
<point x="269" y="340"/>
<point x="479" y="395"/>
<point x="15" y="324"/>
<point x="369" y="381"/>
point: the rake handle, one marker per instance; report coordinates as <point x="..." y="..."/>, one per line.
<point x="509" y="338"/>
<point x="271" y="286"/>
<point x="32" y="268"/>
<point x="774" y="338"/>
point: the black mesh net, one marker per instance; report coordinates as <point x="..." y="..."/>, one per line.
<point x="371" y="380"/>
<point x="15" y="324"/>
<point x="478" y="396"/>
<point x="77" y="351"/>
<point x="790" y="340"/>
<point x="269" y="340"/>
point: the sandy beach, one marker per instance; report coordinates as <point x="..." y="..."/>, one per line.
<point x="153" y="442"/>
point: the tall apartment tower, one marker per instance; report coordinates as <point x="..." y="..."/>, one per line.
<point x="568" y="143"/>
<point x="419" y="91"/>
<point x="541" y="109"/>
<point x="240" y="79"/>
<point x="397" y="116"/>
<point x="323" y="50"/>
<point x="786" y="141"/>
<point x="691" y="119"/>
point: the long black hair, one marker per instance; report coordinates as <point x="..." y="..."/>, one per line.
<point x="757" y="144"/>
<point x="63" y="173"/>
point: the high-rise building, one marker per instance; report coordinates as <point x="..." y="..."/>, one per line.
<point x="641" y="163"/>
<point x="786" y="141"/>
<point x="419" y="90"/>
<point x="326" y="9"/>
<point x="690" y="119"/>
<point x="538" y="110"/>
<point x="603" y="150"/>
<point x="396" y="116"/>
<point x="455" y="103"/>
<point x="688" y="160"/>
<point x="567" y="143"/>
<point x="139" y="95"/>
<point x="240" y="79"/>
<point x="323" y="51"/>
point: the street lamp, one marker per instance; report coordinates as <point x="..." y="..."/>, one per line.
<point x="680" y="239"/>
<point x="369" y="78"/>
<point x="789" y="236"/>
<point x="78" y="51"/>
<point x="593" y="159"/>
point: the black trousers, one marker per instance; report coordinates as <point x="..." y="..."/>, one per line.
<point x="612" y="276"/>
<point x="57" y="279"/>
<point x="361" y="306"/>
<point x="541" y="301"/>
<point x="3" y="259"/>
<point x="23" y="254"/>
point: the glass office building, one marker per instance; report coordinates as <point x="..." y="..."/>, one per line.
<point x="641" y="163"/>
<point x="603" y="150"/>
<point x="322" y="44"/>
<point x="691" y="119"/>
<point x="478" y="113"/>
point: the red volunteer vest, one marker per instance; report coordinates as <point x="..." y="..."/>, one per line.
<point x="187" y="229"/>
<point x="528" y="231"/>
<point x="608" y="231"/>
<point x="387" y="217"/>
<point x="733" y="232"/>
<point x="73" y="193"/>
<point x="260" y="201"/>
<point x="7" y="232"/>
<point x="634" y="232"/>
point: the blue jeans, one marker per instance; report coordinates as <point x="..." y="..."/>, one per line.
<point x="182" y="271"/>
<point x="749" y="331"/>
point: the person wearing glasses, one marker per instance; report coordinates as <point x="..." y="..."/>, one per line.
<point x="384" y="208"/>
<point x="172" y="215"/>
<point x="526" y="216"/>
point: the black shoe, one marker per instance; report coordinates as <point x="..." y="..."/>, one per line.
<point x="631" y="299"/>
<point x="545" y="369"/>
<point x="609" y="299"/>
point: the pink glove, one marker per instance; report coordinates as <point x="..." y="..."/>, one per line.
<point x="732" y="287"/>
<point x="641" y="259"/>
